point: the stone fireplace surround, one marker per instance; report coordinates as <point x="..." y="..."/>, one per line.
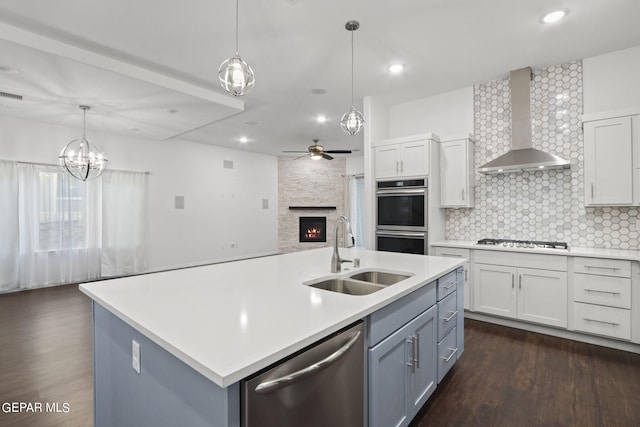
<point x="312" y="188"/>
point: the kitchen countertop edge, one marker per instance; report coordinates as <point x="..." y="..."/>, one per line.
<point x="622" y="254"/>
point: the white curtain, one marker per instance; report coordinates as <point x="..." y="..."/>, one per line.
<point x="356" y="207"/>
<point x="124" y="215"/>
<point x="8" y="226"/>
<point x="59" y="227"/>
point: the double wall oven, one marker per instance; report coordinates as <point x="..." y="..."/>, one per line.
<point x="401" y="220"/>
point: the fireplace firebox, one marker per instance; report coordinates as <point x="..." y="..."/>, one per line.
<point x="313" y="228"/>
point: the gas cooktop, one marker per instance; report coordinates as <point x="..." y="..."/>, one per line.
<point x="508" y="243"/>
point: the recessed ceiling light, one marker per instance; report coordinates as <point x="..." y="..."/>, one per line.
<point x="318" y="91"/>
<point x="321" y="118"/>
<point x="172" y="110"/>
<point x="244" y="139"/>
<point x="396" y="68"/>
<point x="554" y="16"/>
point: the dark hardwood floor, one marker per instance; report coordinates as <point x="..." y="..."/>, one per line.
<point x="506" y="377"/>
<point x="45" y="356"/>
<point x="509" y="377"/>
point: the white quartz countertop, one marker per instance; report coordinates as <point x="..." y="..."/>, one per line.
<point x="622" y="254"/>
<point x="228" y="321"/>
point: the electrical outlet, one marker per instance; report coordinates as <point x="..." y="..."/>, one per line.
<point x="135" y="356"/>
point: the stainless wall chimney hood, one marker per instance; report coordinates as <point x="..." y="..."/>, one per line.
<point x="522" y="156"/>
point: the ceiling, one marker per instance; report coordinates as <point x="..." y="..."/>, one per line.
<point x="137" y="61"/>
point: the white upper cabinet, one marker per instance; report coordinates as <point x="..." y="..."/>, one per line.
<point x="457" y="173"/>
<point x="402" y="158"/>
<point x="611" y="162"/>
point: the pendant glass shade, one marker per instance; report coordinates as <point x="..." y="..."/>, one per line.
<point x="81" y="159"/>
<point x="236" y="76"/>
<point x="352" y="121"/>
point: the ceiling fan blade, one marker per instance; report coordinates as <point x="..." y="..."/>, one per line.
<point x="293" y="151"/>
<point x="326" y="156"/>
<point x="338" y="151"/>
<point x="305" y="155"/>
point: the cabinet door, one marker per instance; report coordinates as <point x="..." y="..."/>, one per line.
<point x="608" y="162"/>
<point x="422" y="376"/>
<point x="388" y="380"/>
<point x="387" y="162"/>
<point x="414" y="158"/>
<point x="494" y="290"/>
<point x="542" y="296"/>
<point x="453" y="174"/>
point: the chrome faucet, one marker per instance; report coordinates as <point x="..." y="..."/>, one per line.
<point x="336" y="261"/>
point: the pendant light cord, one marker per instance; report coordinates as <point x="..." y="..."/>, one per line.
<point x="84" y="123"/>
<point x="352" y="68"/>
<point x="237" y="8"/>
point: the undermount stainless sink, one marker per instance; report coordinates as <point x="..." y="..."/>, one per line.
<point x="361" y="283"/>
<point x="346" y="286"/>
<point x="379" y="277"/>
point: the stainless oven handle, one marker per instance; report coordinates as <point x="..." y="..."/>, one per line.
<point x="398" y="192"/>
<point x="278" y="383"/>
<point x="399" y="234"/>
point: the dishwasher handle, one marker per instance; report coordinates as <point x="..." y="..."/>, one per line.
<point x="278" y="383"/>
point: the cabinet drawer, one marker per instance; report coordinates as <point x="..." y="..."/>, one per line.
<point x="520" y="259"/>
<point x="447" y="284"/>
<point x="454" y="252"/>
<point x="447" y="354"/>
<point x="603" y="267"/>
<point x="392" y="317"/>
<point x="603" y="290"/>
<point x="447" y="315"/>
<point x="601" y="320"/>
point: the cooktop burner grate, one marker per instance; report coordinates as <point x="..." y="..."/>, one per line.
<point x="509" y="243"/>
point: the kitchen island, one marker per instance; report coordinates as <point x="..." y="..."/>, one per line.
<point x="201" y="330"/>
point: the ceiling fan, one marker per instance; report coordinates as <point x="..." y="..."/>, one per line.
<point x="317" y="152"/>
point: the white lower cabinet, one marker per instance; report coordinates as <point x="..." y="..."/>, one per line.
<point x="534" y="295"/>
<point x="602" y="297"/>
<point x="403" y="372"/>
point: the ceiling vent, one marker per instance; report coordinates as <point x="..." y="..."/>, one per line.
<point x="10" y="96"/>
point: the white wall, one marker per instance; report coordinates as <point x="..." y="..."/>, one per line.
<point x="612" y="81"/>
<point x="355" y="165"/>
<point x="446" y="114"/>
<point x="222" y="206"/>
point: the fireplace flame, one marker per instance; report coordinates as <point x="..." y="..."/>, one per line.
<point x="313" y="233"/>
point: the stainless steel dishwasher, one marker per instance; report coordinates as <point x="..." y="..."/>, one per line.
<point x="323" y="385"/>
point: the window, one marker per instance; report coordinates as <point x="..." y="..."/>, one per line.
<point x="62" y="212"/>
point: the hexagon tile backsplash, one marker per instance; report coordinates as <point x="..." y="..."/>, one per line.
<point x="540" y="205"/>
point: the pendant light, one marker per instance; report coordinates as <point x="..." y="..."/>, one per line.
<point x="352" y="122"/>
<point x="81" y="159"/>
<point x="236" y="76"/>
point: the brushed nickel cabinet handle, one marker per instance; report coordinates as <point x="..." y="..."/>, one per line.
<point x="416" y="350"/>
<point x="463" y="194"/>
<point x="601" y="321"/>
<point x="592" y="191"/>
<point x="602" y="292"/>
<point x="513" y="281"/>
<point x="453" y="314"/>
<point x="520" y="281"/>
<point x="412" y="361"/>
<point x="453" y="352"/>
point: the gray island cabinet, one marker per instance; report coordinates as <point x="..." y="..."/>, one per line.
<point x="172" y="348"/>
